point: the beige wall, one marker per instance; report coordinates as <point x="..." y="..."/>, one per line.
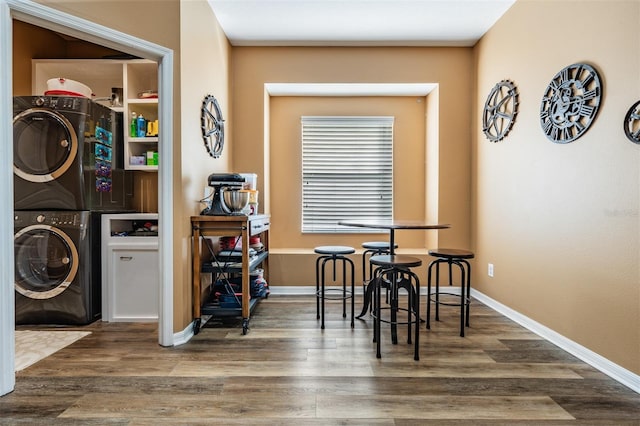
<point x="31" y="42"/>
<point x="448" y="121"/>
<point x="205" y="70"/>
<point x="560" y="222"/>
<point x="287" y="242"/>
<point x="286" y="164"/>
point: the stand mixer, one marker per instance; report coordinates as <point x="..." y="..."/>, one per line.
<point x="221" y="182"/>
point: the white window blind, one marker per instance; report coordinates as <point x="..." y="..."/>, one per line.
<point x="347" y="171"/>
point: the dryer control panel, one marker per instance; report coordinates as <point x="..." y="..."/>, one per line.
<point x="63" y="103"/>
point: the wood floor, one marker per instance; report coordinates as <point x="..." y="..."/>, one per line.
<point x="287" y="371"/>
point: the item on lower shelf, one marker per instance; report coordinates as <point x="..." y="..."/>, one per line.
<point x="137" y="160"/>
<point x="233" y="255"/>
<point x="229" y="243"/>
<point x="230" y="301"/>
<point x="150" y="158"/>
<point x="145" y="228"/>
<point x="258" y="286"/>
<point x="256" y="244"/>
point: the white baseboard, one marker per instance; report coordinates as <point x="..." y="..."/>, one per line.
<point x="182" y="337"/>
<point x="307" y="290"/>
<point x="616" y="372"/>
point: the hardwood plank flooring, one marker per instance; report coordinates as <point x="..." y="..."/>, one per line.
<point x="287" y="371"/>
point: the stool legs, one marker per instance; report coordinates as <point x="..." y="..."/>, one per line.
<point x="397" y="278"/>
<point x="463" y="299"/>
<point x="468" y="296"/>
<point x="321" y="295"/>
<point x="465" y="290"/>
<point x="318" y="295"/>
<point x="367" y="278"/>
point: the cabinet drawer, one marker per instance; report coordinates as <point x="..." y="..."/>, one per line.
<point x="134" y="286"/>
<point x="257" y="226"/>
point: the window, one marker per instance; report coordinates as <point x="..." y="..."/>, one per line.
<point x="347" y="171"/>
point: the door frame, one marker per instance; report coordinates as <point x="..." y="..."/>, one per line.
<point x="45" y="17"/>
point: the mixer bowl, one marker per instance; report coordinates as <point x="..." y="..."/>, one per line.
<point x="235" y="200"/>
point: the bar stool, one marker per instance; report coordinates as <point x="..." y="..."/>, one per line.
<point x="334" y="254"/>
<point x="451" y="257"/>
<point x="372" y="248"/>
<point x="394" y="271"/>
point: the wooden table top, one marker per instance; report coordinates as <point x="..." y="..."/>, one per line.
<point x="394" y="224"/>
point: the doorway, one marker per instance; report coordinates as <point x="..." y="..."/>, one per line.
<point x="42" y="16"/>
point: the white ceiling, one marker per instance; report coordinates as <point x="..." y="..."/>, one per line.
<point x="357" y="22"/>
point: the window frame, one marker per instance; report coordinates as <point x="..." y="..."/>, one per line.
<point x="337" y="139"/>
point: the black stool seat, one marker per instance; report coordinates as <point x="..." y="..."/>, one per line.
<point x="341" y="250"/>
<point x="334" y="255"/>
<point x="450" y="257"/>
<point x="377" y="245"/>
<point x="395" y="260"/>
<point x="447" y="253"/>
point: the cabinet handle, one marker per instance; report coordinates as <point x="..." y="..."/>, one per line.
<point x="126" y="258"/>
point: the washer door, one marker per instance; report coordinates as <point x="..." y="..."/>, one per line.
<point x="44" y="145"/>
<point x="46" y="261"/>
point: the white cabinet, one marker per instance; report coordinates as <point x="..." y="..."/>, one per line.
<point x="130" y="268"/>
<point x="134" y="287"/>
<point x="135" y="77"/>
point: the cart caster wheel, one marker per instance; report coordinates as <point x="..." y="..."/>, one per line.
<point x="245" y="326"/>
<point x="196" y="326"/>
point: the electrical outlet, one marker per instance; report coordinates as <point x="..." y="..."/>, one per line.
<point x="490" y="270"/>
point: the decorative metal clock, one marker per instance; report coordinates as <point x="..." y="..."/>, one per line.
<point x="500" y="111"/>
<point x="570" y="103"/>
<point x="212" y="126"/>
<point x="632" y="123"/>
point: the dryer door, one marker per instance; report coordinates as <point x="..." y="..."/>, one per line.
<point x="46" y="261"/>
<point x="44" y="145"/>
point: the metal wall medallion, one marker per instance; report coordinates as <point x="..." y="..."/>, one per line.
<point x="500" y="111"/>
<point x="570" y="103"/>
<point x="212" y="126"/>
<point x="632" y="123"/>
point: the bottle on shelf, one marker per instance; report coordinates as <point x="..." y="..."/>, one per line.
<point x="141" y="127"/>
<point x="133" y="129"/>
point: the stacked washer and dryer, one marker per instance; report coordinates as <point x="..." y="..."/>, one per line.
<point x="68" y="170"/>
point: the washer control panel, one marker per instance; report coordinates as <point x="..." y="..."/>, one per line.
<point x="52" y="218"/>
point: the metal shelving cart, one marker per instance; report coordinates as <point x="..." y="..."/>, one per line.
<point x="222" y="226"/>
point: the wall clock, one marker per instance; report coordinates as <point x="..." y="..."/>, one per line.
<point x="500" y="111"/>
<point x="632" y="123"/>
<point x="212" y="126"/>
<point x="570" y="103"/>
